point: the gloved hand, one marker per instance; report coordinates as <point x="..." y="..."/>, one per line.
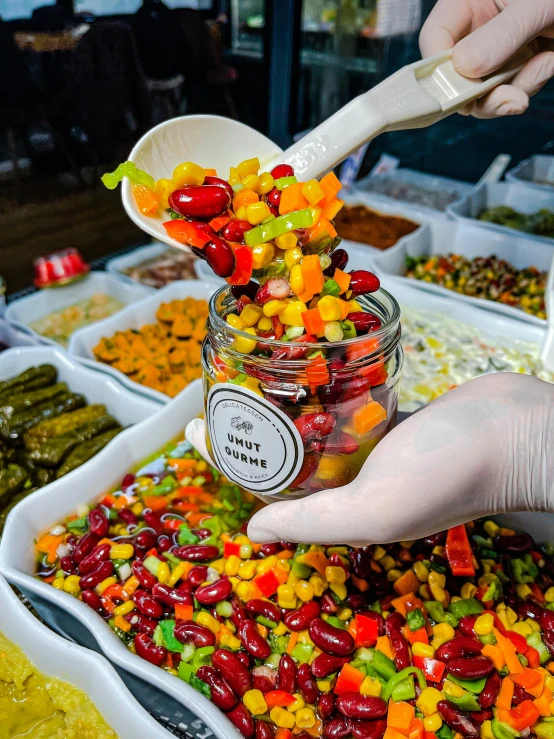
<point x="484" y="39"/>
<point x="484" y="448"/>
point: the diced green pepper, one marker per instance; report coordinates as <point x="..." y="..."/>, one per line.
<point x="445" y="732"/>
<point x="405" y="690"/>
<point x="278" y="644"/>
<point x="202" y="656"/>
<point x="474" y="686"/>
<point x="169" y="641"/>
<point x="382" y="664"/>
<point x="200" y="686"/>
<point x="415" y="619"/>
<point x="348" y="330"/>
<point x="330" y="287"/>
<point x="439" y="615"/>
<point x="503" y="731"/>
<point x="534" y="640"/>
<point x="302" y="652"/>
<point x="185" y="671"/>
<point x="128" y="169"/>
<point x="185" y="535"/>
<point x="283" y="182"/>
<point x="466" y="702"/>
<point x="283" y="224"/>
<point x="544" y="730"/>
<point x="266" y="622"/>
<point x="465" y="607"/>
<point x="396" y="679"/>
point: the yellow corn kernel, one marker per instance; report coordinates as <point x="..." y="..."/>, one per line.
<point x="232" y="564"/>
<point x="251" y="383"/>
<point x="267" y="183"/>
<point x="421" y="571"/>
<point x="249" y="166"/>
<point x="344" y="614"/>
<point x="188" y="173"/>
<point x="486" y="730"/>
<point x="549" y="682"/>
<point x="329" y="308"/>
<point x="124" y="608"/>
<point x="262" y="254"/>
<point x="297" y="705"/>
<point x="264" y="324"/>
<point x="291" y="315"/>
<point x="164" y="573"/>
<point x="235" y="321"/>
<point x="58" y="583"/>
<point x="255" y="702"/>
<point x="425" y="592"/>
<point x="246" y="591"/>
<point x="549" y="595"/>
<point x="304" y="590"/>
<point x="163" y="190"/>
<point x="241" y="213"/>
<point x="371" y="686"/>
<point x="218" y="565"/>
<point x="292" y="579"/>
<point x="280" y="629"/>
<point x="292" y="257"/>
<point x="438" y="578"/>
<point x="379" y="553"/>
<point x="178" y="573"/>
<point x="339" y="589"/>
<point x="453" y="689"/>
<point x="419" y="649"/>
<point x="304" y="637"/>
<point x="313" y="192"/>
<point x="264" y="565"/>
<point x="206" y="619"/>
<point x="387" y="562"/>
<point x="491" y="528"/>
<point x="257" y="212"/>
<point x="503" y="616"/>
<point x="324" y="685"/>
<point x="468" y="590"/>
<point x="432" y="722"/>
<point x="246" y="346"/>
<point x="234" y="176"/>
<point x="455" y="598"/>
<point x="296" y="280"/>
<point x="172" y="671"/>
<point x="71" y="584"/>
<point x="231" y="641"/>
<point x="438" y="550"/>
<point x="522" y="628"/>
<point x="335" y="575"/>
<point x="443" y="631"/>
<point x="272" y="307"/>
<point x="438" y="593"/>
<point x="287" y="241"/>
<point x="105" y="584"/>
<point x="122" y="551"/>
<point x="506" y="532"/>
<point x="305" y="718"/>
<point x="282" y="718"/>
<point x="286" y="596"/>
<point x="533" y="625"/>
<point x="484" y="624"/>
<point x="318" y="584"/>
<point x="252" y="182"/>
<point x="251" y="314"/>
<point x="137" y="508"/>
<point x="428" y="699"/>
<point x="247" y="569"/>
<point x="523" y="590"/>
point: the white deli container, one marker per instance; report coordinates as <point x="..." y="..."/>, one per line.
<point x="469" y="240"/>
<point x="134" y="316"/>
<point x="522" y="198"/>
<point x="20" y="313"/>
<point x="538" y="171"/>
<point x="161" y="693"/>
<point x="81" y="668"/>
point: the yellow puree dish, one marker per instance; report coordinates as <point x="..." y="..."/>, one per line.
<point x="38" y="707"/>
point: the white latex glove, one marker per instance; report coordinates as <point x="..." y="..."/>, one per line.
<point x="484" y="39"/>
<point x="484" y="448"/>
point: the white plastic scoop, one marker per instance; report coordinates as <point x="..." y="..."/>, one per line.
<point x="416" y="96"/>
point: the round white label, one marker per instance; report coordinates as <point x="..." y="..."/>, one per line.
<point x="253" y="442"/>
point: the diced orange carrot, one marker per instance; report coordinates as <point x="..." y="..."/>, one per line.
<point x="292" y="199"/>
<point x="407" y="583"/>
<point x="505" y="695"/>
<point x="391" y="733"/>
<point x="182" y="465"/>
<point x="537" y="689"/>
<point x="383" y="645"/>
<point x="317" y="560"/>
<point x="292" y="642"/>
<point x="146" y="199"/>
<point x="349" y="680"/>
<point x="399" y="604"/>
<point x="155" y="503"/>
<point x="312" y="274"/>
<point x="509" y="652"/>
<point x="210" y="172"/>
<point x="342" y="279"/>
<point x="323" y="226"/>
<point x="313" y="322"/>
<point x="527" y="678"/>
<point x="317" y="373"/>
<point x="400" y="716"/>
<point x="122" y="624"/>
<point x="183" y="613"/>
<point x="359" y="583"/>
<point x="46" y="542"/>
<point x="413" y="637"/>
<point x="368" y="416"/>
<point x="331" y="186"/>
<point x="218" y="222"/>
<point x="331" y="210"/>
<point x="495" y="655"/>
<point x="244" y="197"/>
<point x="543" y="703"/>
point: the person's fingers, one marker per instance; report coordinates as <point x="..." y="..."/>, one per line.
<point x="503" y="100"/>
<point x="494" y="43"/>
<point x="195" y="434"/>
<point x="535" y="74"/>
<point x="447" y="23"/>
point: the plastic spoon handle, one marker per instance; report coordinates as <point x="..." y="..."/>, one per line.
<point x="416" y="96"/>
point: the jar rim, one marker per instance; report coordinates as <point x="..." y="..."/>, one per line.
<point x="387" y="327"/>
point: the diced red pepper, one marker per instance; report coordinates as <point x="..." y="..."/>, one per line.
<point x="267" y="583"/>
<point x="277" y="326"/>
<point x="186" y="233"/>
<point x="459" y="553"/>
<point x="523" y="716"/>
<point x="279" y="698"/>
<point x="533" y="657"/>
<point x="367" y="631"/>
<point x="243" y="266"/>
<point x="537" y="594"/>
<point x="433" y="669"/>
<point x="230" y="548"/>
<point x="349" y="680"/>
<point x="519" y="641"/>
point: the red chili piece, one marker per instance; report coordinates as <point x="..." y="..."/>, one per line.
<point x="146" y="649"/>
<point x="214" y="592"/>
<point x="233" y="670"/>
<point x="470" y="668"/>
<point x="286" y="676"/>
<point x="242" y="719"/>
<point x="302" y="617"/>
<point x="253" y="641"/>
<point x="190" y="631"/>
<point x="306" y="683"/>
<point x="393" y="624"/>
<point x="356" y="705"/>
<point x="222" y="693"/>
<point x="92" y="560"/>
<point x="196" y="552"/>
<point x="458" y="720"/>
<point x="94" y="578"/>
<point x="265" y="608"/>
<point x="460" y="646"/>
<point x="98" y="522"/>
<point x="146" y="604"/>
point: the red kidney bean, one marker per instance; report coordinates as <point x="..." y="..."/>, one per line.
<point x="98" y="522"/>
<point x="250" y="289"/>
<point x="360" y="563"/>
<point x="214" y="592"/>
<point x="171" y="596"/>
<point x="68" y="566"/>
<point x="303" y="236"/>
<point x="85" y="546"/>
<point x="128" y="517"/>
<point x="233" y="670"/>
<point x="91" y="561"/>
<point x="327" y="603"/>
<point x="146" y="649"/>
<point x="196" y="552"/>
<point x="153" y="520"/>
<point x="460" y="646"/>
<point x="306" y="683"/>
<point x="313" y="426"/>
<point x="266" y="608"/>
<point x="276" y="288"/>
<point x="282" y="170"/>
<point x="369" y="729"/>
<point x="197" y="575"/>
<point x="325" y="664"/>
<point x="356" y="388"/>
<point x="466" y="624"/>
<point x="92" y="599"/>
<point x="184" y="587"/>
<point x="286" y="676"/>
<point x="164" y="543"/>
<point x="273" y="197"/>
<point x="340" y="443"/>
<point x="94" y="578"/>
<point x="490" y="692"/>
<point x="359" y="601"/>
<point x="470" y="668"/>
<point x="239" y="612"/>
<point x="339" y="260"/>
<point x="548" y="639"/>
<point x="189" y="631"/>
<point x="242" y="719"/>
<point x="458" y="720"/>
<point x="326" y="705"/>
<point x="219" y="256"/>
<point x="218" y="182"/>
<point x="264" y="730"/>
<point x="141" y="623"/>
<point x="516" y="544"/>
<point x="527" y="609"/>
<point x="364" y="322"/>
<point x="268" y="549"/>
<point x="362" y="281"/>
<point x="253" y="641"/>
<point x="337" y="728"/>
<point x="262" y="683"/>
<point x="234" y="231"/>
<point x="307" y="471"/>
<point x="146" y="604"/>
<point x="222" y="693"/>
<point x="302" y="617"/>
<point x="546" y="619"/>
<point x="481" y="716"/>
<point x="204" y="201"/>
<point x="356" y="705"/>
<point x="244" y="658"/>
<point x="145" y="539"/>
<point x="128" y="480"/>
<point x="296" y="350"/>
<point x="520" y="695"/>
<point x="144" y="576"/>
<point x="393" y="624"/>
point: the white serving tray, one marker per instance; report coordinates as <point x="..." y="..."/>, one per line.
<point x="127" y="407"/>
<point x="25" y="310"/>
<point x="470" y="240"/>
<point x="524" y="198"/>
<point x="535" y="171"/>
<point x="134" y="316"/>
<point x="82" y="668"/>
<point x="156" y="689"/>
<point x="117" y="265"/>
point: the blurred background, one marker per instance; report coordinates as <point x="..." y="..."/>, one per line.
<point x="81" y="80"/>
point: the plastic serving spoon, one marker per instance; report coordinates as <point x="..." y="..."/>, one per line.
<point x="547" y="348"/>
<point x="416" y="96"/>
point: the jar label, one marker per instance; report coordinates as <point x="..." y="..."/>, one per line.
<point x="253" y="442"/>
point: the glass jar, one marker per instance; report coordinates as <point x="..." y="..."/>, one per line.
<point x="295" y="417"/>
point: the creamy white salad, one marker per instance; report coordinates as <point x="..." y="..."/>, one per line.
<point x="441" y="353"/>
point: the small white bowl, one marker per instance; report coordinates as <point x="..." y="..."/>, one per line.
<point x="82" y="668"/>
